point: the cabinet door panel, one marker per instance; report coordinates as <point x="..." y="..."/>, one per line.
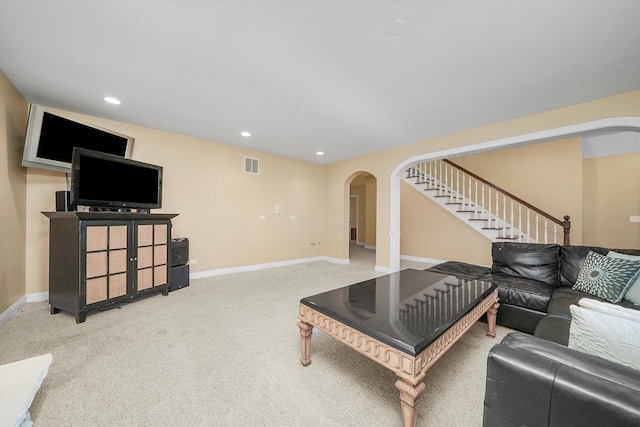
<point x="96" y="290"/>
<point x="117" y="285"/>
<point x="159" y="275"/>
<point x="145" y="257"/>
<point x="118" y="261"/>
<point x="160" y="255"/>
<point x="96" y="264"/>
<point x="97" y="238"/>
<point x="145" y="279"/>
<point x="160" y="234"/>
<point x="118" y="237"/>
<point x="145" y="234"/>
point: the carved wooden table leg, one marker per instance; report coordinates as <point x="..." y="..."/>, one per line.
<point x="409" y="394"/>
<point x="492" y="313"/>
<point x="305" y="338"/>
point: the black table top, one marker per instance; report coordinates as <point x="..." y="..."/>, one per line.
<point x="407" y="310"/>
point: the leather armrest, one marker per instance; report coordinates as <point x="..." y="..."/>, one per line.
<point x="535" y="382"/>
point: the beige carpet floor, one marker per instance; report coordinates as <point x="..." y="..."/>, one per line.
<point x="225" y="352"/>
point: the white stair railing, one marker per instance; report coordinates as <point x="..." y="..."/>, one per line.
<point x="484" y="201"/>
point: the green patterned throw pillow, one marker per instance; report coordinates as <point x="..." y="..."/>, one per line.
<point x="606" y="278"/>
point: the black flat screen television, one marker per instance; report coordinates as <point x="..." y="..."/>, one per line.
<point x="101" y="180"/>
<point x="51" y="138"/>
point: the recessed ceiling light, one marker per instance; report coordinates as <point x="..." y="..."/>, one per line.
<point x="245" y="134"/>
<point x="319" y="153"/>
<point x="112" y="100"/>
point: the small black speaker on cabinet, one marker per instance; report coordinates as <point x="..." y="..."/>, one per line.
<point x="63" y="201"/>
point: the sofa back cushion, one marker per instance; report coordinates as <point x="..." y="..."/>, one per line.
<point x="571" y="260"/>
<point x="527" y="260"/>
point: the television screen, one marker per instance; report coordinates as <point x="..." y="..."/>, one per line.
<point x="51" y="138"/>
<point x="109" y="181"/>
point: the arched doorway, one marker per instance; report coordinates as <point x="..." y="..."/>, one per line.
<point x="361" y="232"/>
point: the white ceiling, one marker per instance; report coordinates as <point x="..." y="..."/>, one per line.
<point x="304" y="76"/>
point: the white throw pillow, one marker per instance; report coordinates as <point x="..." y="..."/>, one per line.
<point x="633" y="293"/>
<point x="613" y="335"/>
<point x="612" y="309"/>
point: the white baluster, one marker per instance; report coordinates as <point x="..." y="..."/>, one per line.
<point x="513" y="224"/>
<point x="520" y="221"/>
<point x="446" y="176"/>
<point x="489" y="210"/>
<point x="469" y="201"/>
<point x="555" y="233"/>
<point x="463" y="187"/>
<point x="457" y="186"/>
<point x="537" y="222"/>
<point x="504" y="216"/>
<point x="484" y="212"/>
<point x="528" y="225"/>
<point x="497" y="209"/>
<point x="545" y="232"/>
<point x="476" y="207"/>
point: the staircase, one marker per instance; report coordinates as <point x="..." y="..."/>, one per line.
<point x="485" y="207"/>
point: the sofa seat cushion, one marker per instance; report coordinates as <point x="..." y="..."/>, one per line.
<point x="571" y="260"/>
<point x="527" y="260"/>
<point x="562" y="299"/>
<point x="522" y="292"/>
<point x="460" y="269"/>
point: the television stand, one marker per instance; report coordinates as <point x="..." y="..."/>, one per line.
<point x="102" y="259"/>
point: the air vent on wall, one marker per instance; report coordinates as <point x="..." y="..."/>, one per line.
<point x="251" y="165"/>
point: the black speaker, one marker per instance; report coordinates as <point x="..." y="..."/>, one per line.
<point x="179" y="277"/>
<point x="63" y="201"/>
<point x="179" y="251"/>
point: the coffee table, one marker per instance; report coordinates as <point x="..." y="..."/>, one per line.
<point x="405" y="321"/>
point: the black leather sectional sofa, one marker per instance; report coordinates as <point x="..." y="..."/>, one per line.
<point x="534" y="284"/>
<point x="536" y="380"/>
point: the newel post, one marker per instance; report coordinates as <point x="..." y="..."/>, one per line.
<point x="566" y="225"/>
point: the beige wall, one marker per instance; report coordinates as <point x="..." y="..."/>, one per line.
<point x="611" y="196"/>
<point x="13" y="194"/>
<point x="382" y="164"/>
<point x="219" y="205"/>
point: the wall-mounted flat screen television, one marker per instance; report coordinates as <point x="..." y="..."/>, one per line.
<point x="51" y="138"/>
<point x="101" y="180"/>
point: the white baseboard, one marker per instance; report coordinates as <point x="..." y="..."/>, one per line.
<point x="40" y="296"/>
<point x="419" y="259"/>
<point x="254" y="267"/>
<point x="16" y="307"/>
<point x="370" y="247"/>
<point x="381" y="269"/>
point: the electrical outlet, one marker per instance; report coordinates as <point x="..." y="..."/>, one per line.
<point x="633" y="218"/>
<point x="193" y="261"/>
